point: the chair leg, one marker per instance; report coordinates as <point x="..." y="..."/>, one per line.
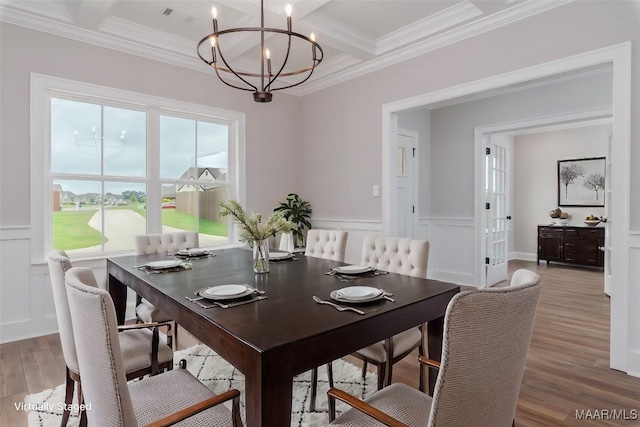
<point x="332" y="409"/>
<point x="381" y="375"/>
<point x="364" y="369"/>
<point x="421" y="353"/>
<point x="83" y="412"/>
<point x="68" y="398"/>
<point x="175" y="336"/>
<point x="389" y="373"/>
<point x="169" y="336"/>
<point x="314" y="386"/>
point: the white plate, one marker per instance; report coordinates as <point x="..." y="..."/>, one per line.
<point x="162" y="265"/>
<point x="192" y="252"/>
<point x="277" y="256"/>
<point x="358" y="293"/>
<point x="353" y="269"/>
<point x="224" y="292"/>
<point x="334" y="295"/>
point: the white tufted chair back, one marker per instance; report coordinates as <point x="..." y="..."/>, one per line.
<point x="166" y="242"/>
<point x="327" y="244"/>
<point x="396" y="255"/>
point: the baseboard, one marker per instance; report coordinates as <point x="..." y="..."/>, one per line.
<point x="27" y="329"/>
<point x="524" y="256"/>
<point x="457" y="278"/>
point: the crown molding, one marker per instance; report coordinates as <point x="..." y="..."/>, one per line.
<point x="340" y="31"/>
<point x="173" y="50"/>
<point x="516" y="13"/>
<point x="442" y="20"/>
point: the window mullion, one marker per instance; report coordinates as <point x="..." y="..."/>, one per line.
<point x="154" y="188"/>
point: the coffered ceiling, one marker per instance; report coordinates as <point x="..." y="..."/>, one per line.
<point x="357" y="36"/>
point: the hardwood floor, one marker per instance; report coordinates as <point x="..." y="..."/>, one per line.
<point x="567" y="368"/>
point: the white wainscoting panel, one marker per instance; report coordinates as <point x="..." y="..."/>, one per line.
<point x="26" y="300"/>
<point x="451" y="253"/>
<point x="451" y="244"/>
<point x="633" y="362"/>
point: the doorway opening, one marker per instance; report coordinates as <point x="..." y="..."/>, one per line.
<point x="494" y="168"/>
<point x="619" y="58"/>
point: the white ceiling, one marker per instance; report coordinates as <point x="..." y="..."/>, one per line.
<point x="357" y="36"/>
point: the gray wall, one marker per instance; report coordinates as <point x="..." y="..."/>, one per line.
<point x="346" y="118"/>
<point x="535" y="172"/>
<point x="452" y="138"/>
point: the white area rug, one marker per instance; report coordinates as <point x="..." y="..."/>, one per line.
<point x="220" y="376"/>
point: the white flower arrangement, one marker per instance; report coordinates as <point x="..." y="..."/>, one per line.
<point x="251" y="228"/>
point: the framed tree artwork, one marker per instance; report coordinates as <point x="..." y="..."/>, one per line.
<point x="581" y="182"/>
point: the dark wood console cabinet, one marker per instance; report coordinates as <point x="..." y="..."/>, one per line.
<point x="573" y="245"/>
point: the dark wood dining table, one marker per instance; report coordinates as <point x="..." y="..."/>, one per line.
<point x="272" y="340"/>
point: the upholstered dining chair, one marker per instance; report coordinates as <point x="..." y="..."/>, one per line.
<point x="147" y="244"/>
<point x="327" y="244"/>
<point x="402" y="256"/>
<point x="163" y="399"/>
<point x="143" y="353"/>
<point x="487" y="333"/>
<point x="331" y="245"/>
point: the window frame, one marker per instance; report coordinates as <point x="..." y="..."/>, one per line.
<point x="43" y="88"/>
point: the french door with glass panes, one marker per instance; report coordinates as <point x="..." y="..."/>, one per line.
<point x="497" y="206"/>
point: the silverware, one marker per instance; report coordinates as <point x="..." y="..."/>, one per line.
<point x="336" y="306"/>
<point x="256" y="291"/>
<point x="231" y="304"/>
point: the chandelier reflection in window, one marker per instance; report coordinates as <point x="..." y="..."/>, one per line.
<point x="92" y="144"/>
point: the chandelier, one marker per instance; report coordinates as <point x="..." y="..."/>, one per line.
<point x="262" y="83"/>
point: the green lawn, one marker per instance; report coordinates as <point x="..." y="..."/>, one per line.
<point x="174" y="219"/>
<point x="71" y="230"/>
<point x="71" y="227"/>
<point x="183" y="221"/>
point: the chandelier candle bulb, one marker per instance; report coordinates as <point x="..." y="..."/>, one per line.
<point x="268" y="54"/>
<point x="214" y="13"/>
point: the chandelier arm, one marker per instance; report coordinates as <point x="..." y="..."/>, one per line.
<point x="310" y="69"/>
<point x="215" y="67"/>
<point x="286" y="58"/>
<point x="231" y="69"/>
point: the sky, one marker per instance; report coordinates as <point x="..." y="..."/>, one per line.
<point x="76" y="129"/>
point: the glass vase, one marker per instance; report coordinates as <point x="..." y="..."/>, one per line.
<point x="261" y="256"/>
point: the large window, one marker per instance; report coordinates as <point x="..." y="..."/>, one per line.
<point x="124" y="164"/>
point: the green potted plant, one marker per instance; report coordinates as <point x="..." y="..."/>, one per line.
<point x="297" y="211"/>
